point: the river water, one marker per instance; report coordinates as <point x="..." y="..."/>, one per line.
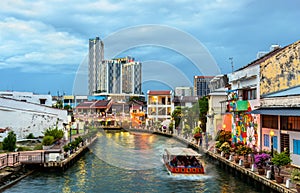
<point x="120" y="161"/>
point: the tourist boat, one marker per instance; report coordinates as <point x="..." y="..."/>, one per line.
<point x="180" y="160"/>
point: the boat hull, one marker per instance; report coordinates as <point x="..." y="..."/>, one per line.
<point x="184" y="170"/>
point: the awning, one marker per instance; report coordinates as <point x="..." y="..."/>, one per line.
<point x="284" y="111"/>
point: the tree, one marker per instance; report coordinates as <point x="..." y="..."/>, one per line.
<point x="9" y="142"/>
<point x="177" y="116"/>
<point x="203" y="108"/>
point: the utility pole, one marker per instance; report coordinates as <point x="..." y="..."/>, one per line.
<point x="231" y="61"/>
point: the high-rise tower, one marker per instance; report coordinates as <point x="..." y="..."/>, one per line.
<point x="96" y="57"/>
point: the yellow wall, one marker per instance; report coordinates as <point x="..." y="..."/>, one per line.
<point x="281" y="71"/>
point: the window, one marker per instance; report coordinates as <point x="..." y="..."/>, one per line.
<point x="275" y="142"/>
<point x="249" y="94"/>
<point x="269" y="121"/>
<point x="266" y="140"/>
<point x="296" y="146"/>
<point x="43" y="101"/>
<point x="290" y="123"/>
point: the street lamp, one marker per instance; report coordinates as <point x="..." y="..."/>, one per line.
<point x="272" y="154"/>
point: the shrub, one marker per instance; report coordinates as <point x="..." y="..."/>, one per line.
<point x="260" y="160"/>
<point x="281" y="159"/>
<point x="295" y="176"/>
<point x="30" y="136"/>
<point x="55" y="133"/>
<point x="48" y="140"/>
<point x="9" y="142"/>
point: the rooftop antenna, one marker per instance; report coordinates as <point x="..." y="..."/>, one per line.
<point x="231" y="61"/>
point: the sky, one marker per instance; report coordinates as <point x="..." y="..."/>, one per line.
<point x="44" y="44"/>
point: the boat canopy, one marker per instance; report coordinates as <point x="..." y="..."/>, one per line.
<point x="181" y="151"/>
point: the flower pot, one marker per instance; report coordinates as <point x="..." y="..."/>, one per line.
<point x="298" y="188"/>
<point x="237" y="159"/>
<point x="279" y="179"/>
<point x="247" y="164"/>
<point x="261" y="171"/>
<point x="226" y="155"/>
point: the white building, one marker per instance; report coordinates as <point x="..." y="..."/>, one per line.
<point x="24" y="118"/>
<point x="183" y="91"/>
<point x="28" y="97"/>
<point x="215" y="111"/>
<point x="159" y="105"/>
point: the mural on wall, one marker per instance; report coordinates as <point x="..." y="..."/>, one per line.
<point x="281" y="71"/>
<point x="243" y="124"/>
<point x="244" y="129"/>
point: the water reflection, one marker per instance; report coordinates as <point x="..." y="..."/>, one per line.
<point x="95" y="172"/>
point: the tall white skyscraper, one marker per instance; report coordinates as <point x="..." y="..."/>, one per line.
<point x="120" y="76"/>
<point x="96" y="57"/>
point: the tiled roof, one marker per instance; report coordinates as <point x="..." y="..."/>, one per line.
<point x="85" y="104"/>
<point x="159" y="92"/>
<point x="98" y="104"/>
<point x="285" y="111"/>
<point x="101" y="104"/>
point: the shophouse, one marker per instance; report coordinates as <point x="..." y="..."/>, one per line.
<point x="280" y="101"/>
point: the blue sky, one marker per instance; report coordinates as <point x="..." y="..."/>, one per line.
<point x="44" y="44"/>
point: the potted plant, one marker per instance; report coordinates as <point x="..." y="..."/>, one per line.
<point x="279" y="160"/>
<point x="244" y="150"/>
<point x="260" y="162"/>
<point x="198" y="134"/>
<point x="237" y="150"/>
<point x="225" y="147"/>
<point x="295" y="177"/>
<point x="217" y="146"/>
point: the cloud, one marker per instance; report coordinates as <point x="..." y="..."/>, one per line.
<point x="35" y="46"/>
<point x="52" y="36"/>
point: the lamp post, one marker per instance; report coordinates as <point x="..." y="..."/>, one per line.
<point x="272" y="154"/>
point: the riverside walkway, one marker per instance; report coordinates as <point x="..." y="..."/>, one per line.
<point x="249" y="175"/>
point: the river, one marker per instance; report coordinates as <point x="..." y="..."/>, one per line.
<point x="121" y="161"/>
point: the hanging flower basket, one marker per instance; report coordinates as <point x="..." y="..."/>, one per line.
<point x="197" y="135"/>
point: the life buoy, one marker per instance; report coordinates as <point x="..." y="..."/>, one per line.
<point x="182" y="169"/>
<point x="188" y="170"/>
<point x="177" y="170"/>
<point x="194" y="170"/>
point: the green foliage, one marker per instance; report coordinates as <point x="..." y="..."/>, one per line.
<point x="48" y="140"/>
<point x="58" y="104"/>
<point x="218" y="144"/>
<point x="177" y="116"/>
<point x="23" y="148"/>
<point x="73" y="144"/>
<point x="38" y="147"/>
<point x="67" y="107"/>
<point x="9" y="142"/>
<point x="197" y="130"/>
<point x="203" y="108"/>
<point x="225" y="147"/>
<point x="55" y="133"/>
<point x="295" y="176"/>
<point x="30" y="136"/>
<point x="243" y="150"/>
<point x="281" y="159"/>
<point x="223" y="136"/>
<point x="186" y="130"/>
